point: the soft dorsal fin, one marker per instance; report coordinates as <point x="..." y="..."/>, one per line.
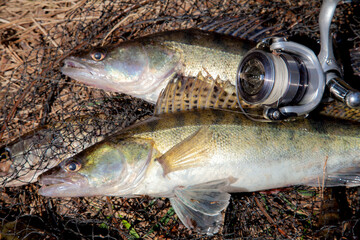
<point x="201" y="92"/>
<point x="339" y="110"/>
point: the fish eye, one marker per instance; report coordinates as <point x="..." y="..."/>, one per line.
<point x="5" y="154"/>
<point x="72" y="166"/>
<point x="98" y="55"/>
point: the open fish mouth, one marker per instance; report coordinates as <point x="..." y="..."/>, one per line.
<point x="60" y="187"/>
<point x="71" y="63"/>
<point x="50" y="184"/>
<point x="49" y="181"/>
<point x="80" y="70"/>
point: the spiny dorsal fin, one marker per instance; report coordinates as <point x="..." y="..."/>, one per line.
<point x="186" y="93"/>
<point x="252" y="28"/>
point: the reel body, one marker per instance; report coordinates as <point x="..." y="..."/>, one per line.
<point x="284" y="79"/>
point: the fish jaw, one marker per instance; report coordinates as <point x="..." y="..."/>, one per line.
<point x="53" y="187"/>
<point x="87" y="71"/>
<point x="58" y="183"/>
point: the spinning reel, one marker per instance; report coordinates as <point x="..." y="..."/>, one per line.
<point x="286" y="79"/>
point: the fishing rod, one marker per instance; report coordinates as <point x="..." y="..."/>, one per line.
<point x="286" y="79"/>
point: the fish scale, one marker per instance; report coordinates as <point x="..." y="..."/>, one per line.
<point x="210" y="146"/>
<point x="144" y="66"/>
<point x="197" y="156"/>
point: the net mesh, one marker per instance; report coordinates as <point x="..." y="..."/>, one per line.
<point x="53" y="117"/>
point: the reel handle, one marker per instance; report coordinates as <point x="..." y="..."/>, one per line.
<point x="343" y="92"/>
<point x="338" y="88"/>
<point x="326" y="56"/>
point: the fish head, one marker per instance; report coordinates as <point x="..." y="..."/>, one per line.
<point x="6" y="162"/>
<point x="106" y="168"/>
<point x="132" y="67"/>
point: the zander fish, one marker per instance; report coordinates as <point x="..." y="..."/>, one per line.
<point x="144" y="66"/>
<point x="196" y="158"/>
<point x="24" y="159"/>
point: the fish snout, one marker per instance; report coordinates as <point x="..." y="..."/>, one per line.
<point x="45" y="177"/>
<point x="58" y="183"/>
<point x="72" y="63"/>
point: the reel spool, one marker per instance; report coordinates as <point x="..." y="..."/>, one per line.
<point x="283" y="79"/>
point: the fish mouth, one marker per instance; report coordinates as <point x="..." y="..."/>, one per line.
<point x="82" y="71"/>
<point x="48" y="181"/>
<point x="61" y="187"/>
<point x="72" y="63"/>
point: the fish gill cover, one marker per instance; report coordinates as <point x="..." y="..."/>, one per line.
<point x="51" y="117"/>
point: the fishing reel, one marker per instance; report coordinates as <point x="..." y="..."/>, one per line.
<point x="281" y="79"/>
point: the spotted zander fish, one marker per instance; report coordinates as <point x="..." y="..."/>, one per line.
<point x="197" y="157"/>
<point x="144" y="66"/>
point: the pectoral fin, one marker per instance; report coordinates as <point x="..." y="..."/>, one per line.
<point x="199" y="207"/>
<point x="189" y="153"/>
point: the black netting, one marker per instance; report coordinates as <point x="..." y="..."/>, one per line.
<point x="52" y="117"/>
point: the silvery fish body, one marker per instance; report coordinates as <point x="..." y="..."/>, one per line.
<point x="143" y="67"/>
<point x="196" y="158"/>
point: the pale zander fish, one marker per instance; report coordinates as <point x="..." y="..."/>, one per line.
<point x="196" y="158"/>
<point x="144" y="66"/>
